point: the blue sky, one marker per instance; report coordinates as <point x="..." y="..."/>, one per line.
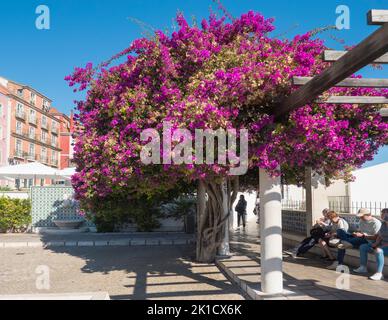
<point x="93" y="30"/>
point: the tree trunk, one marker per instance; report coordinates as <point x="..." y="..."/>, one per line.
<point x="214" y="201"/>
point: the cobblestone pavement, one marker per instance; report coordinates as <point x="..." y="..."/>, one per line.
<point x="308" y="276"/>
<point x="124" y="272"/>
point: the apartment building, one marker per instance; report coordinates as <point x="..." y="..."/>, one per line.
<point x="28" y="131"/>
<point x="66" y="130"/>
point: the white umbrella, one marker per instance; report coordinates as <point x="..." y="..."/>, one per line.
<point x="33" y="170"/>
<point x="67" y="173"/>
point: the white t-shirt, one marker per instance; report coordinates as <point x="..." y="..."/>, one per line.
<point x="341" y="224"/>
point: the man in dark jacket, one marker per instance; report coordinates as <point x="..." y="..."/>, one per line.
<point x="241" y="210"/>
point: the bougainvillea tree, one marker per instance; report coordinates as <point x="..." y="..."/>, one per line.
<point x="219" y="75"/>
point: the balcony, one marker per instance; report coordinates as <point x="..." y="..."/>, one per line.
<point x="33" y="120"/>
<point x="42" y="139"/>
<point x="22" y="133"/>
<point x="44" y="125"/>
<point x="20" y="115"/>
<point x="44" y="159"/>
<point x="31" y="156"/>
<point x="54" y="130"/>
<point x="19" y="154"/>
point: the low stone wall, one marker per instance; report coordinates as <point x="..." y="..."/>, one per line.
<point x="15" y="194"/>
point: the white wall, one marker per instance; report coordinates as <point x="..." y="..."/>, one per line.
<point x="371" y="184"/>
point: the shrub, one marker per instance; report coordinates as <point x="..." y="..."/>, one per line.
<point x="15" y="215"/>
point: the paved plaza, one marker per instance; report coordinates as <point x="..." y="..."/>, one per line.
<point x="123" y="272"/>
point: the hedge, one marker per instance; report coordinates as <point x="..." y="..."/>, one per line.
<point x="15" y="214"/>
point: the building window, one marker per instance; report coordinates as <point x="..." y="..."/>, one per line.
<point x="19" y="110"/>
<point x="19" y="127"/>
<point x="32" y="151"/>
<point x="44" y="122"/>
<point x="54" y="157"/>
<point x="54" y="140"/>
<point x="43" y="137"/>
<point x="31" y="133"/>
<point x="1" y="132"/>
<point x="46" y="106"/>
<point x="44" y="155"/>
<point x="18" y="149"/>
<point x="54" y="127"/>
<point x="32" y="117"/>
<point x="33" y="98"/>
<point x="1" y="109"/>
<point x="19" y="93"/>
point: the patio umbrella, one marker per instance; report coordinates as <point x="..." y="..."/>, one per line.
<point x="67" y="173"/>
<point x="33" y="170"/>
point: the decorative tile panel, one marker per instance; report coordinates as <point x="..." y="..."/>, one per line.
<point x="53" y="203"/>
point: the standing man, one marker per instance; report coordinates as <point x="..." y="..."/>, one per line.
<point x="241" y="210"/>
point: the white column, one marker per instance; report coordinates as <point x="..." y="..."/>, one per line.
<point x="271" y="234"/>
<point x="316" y="198"/>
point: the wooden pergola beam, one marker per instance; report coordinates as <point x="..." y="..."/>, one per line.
<point x="349" y="82"/>
<point x="363" y="54"/>
<point x="334" y="55"/>
<point x="377" y="17"/>
<point x="353" y="100"/>
<point x="384" y="113"/>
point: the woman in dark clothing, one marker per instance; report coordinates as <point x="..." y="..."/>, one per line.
<point x="241" y="210"/>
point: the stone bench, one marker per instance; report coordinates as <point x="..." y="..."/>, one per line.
<point x="352" y="258"/>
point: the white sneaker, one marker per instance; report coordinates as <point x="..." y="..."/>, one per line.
<point x="361" y="269"/>
<point x="333" y="266"/>
<point x="344" y="245"/>
<point x="377" y="277"/>
<point x="334" y="242"/>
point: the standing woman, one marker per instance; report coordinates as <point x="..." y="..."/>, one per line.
<point x="241" y="210"/>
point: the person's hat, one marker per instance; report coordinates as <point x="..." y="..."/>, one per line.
<point x="363" y="212"/>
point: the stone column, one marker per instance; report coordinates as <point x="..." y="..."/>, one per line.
<point x="316" y="198"/>
<point x="271" y="234"/>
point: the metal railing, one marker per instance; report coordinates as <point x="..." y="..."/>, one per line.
<point x="19" y="153"/>
<point x="374" y="207"/>
<point x="33" y="120"/>
<point x="20" y="115"/>
<point x="298" y="205"/>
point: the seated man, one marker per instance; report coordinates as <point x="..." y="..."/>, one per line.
<point x="379" y="248"/>
<point x="369" y="227"/>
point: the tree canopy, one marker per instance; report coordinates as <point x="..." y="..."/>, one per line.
<point x="217" y="75"/>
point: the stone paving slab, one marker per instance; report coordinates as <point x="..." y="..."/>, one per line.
<point x="94" y="240"/>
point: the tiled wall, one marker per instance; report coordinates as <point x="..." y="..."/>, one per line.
<point x="53" y="203"/>
<point x="295" y="221"/>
